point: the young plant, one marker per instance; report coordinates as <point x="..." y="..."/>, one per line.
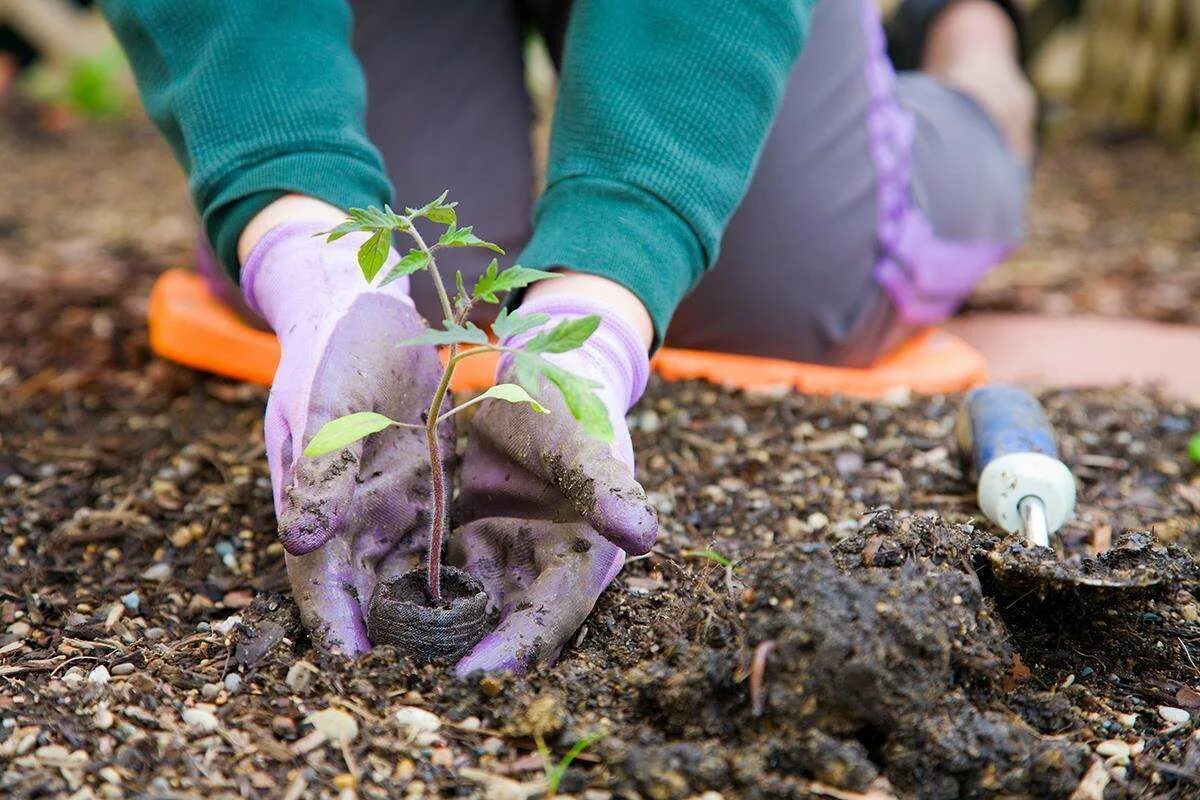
<point x="464" y="340"/>
<point x="554" y="772"/>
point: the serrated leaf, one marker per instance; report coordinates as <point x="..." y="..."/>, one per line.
<point x="582" y="401"/>
<point x="337" y="434"/>
<point x="511" y="393"/>
<point x="415" y="261"/>
<point x="345" y="228"/>
<point x="373" y="253"/>
<point x="515" y="277"/>
<point x="437" y="210"/>
<point x="527" y="368"/>
<point x="507" y="325"/>
<point x="465" y="237"/>
<point x="565" y="336"/>
<point x="453" y="334"/>
<point x="578" y="393"/>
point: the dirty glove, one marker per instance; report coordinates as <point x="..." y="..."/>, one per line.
<point x="350" y="518"/>
<point x="547" y="513"/>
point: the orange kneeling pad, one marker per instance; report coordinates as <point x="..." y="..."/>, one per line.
<point x="191" y="326"/>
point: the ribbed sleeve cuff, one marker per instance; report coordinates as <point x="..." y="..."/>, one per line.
<point x="339" y="179"/>
<point x="619" y="232"/>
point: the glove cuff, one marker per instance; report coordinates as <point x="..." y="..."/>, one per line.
<point x="291" y="270"/>
<point x="615" y="352"/>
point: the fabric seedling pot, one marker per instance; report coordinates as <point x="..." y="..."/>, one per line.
<point x="403" y="615"/>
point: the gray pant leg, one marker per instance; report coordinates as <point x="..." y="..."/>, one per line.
<point x="796" y="277"/>
<point x="448" y="109"/>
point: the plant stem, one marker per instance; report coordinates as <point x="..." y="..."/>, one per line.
<point x="437" y="525"/>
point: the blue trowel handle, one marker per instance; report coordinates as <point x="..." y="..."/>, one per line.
<point x="1022" y="484"/>
<point x="998" y="420"/>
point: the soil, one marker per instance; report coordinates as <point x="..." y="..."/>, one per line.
<point x="859" y="645"/>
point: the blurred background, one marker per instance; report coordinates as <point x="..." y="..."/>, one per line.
<point x="88" y="191"/>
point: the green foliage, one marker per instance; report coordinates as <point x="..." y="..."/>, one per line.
<point x="578" y="393"/>
<point x="468" y="333"/>
<point x="438" y="211"/>
<point x="1193" y="448"/>
<point x="565" y="336"/>
<point x="373" y="253"/>
<point x="507" y="324"/>
<point x="710" y="554"/>
<point x="344" y="431"/>
<point x="555" y="772"/>
<point x="511" y="393"/>
<point x="455" y="236"/>
<point x="515" y="277"/>
<point x="415" y="261"/>
<point x="95" y="87"/>
<point x="368" y="220"/>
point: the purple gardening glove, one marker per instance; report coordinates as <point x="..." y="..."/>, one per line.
<point x="546" y="512"/>
<point x="350" y="518"/>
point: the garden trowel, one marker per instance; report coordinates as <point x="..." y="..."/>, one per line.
<point x="1026" y="489"/>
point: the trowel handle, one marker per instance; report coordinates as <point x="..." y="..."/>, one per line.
<point x="997" y="420"/>
<point x="1013" y="456"/>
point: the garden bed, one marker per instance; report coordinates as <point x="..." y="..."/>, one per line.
<point x="148" y="645"/>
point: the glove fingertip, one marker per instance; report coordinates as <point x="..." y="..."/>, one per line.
<point x="631" y="525"/>
<point x="493" y="653"/>
<point x="305" y="532"/>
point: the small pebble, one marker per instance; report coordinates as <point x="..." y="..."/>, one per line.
<point x="200" y="719"/>
<point x="226" y="626"/>
<point x="154" y="634"/>
<point x="1173" y="715"/>
<point x="818" y="521"/>
<point x="103" y="718"/>
<point x="233" y="682"/>
<point x="492" y="746"/>
<point x="99" y="675"/>
<point x="490" y="685"/>
<point x="1112" y="747"/>
<point x="157" y="572"/>
<point x="131" y="601"/>
<point x="209" y="691"/>
<point x="124" y="668"/>
<point x="413" y="720"/>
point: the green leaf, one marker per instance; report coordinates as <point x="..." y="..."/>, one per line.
<point x="507" y="325"/>
<point x="453" y="334"/>
<point x="340" y="231"/>
<point x="515" y="277"/>
<point x="566" y="335"/>
<point x="367" y="220"/>
<point x="1193" y="448"/>
<point x="438" y="210"/>
<point x="511" y="393"/>
<point x="415" y="261"/>
<point x="554" y="775"/>
<point x="464" y="237"/>
<point x="343" y="431"/>
<point x="583" y="402"/>
<point x="373" y="252"/>
<point x="578" y="393"/>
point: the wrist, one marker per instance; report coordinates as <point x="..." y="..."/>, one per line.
<point x="617" y="301"/>
<point x="289" y="208"/>
<point x="292" y="272"/>
<point x="615" y="355"/>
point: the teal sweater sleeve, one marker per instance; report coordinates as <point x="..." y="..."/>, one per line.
<point x="257" y="99"/>
<point x="662" y="113"/>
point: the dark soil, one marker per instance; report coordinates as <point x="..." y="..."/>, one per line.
<point x="859" y="643"/>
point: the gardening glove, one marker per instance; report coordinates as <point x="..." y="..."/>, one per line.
<point x="547" y="513"/>
<point x="353" y="517"/>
